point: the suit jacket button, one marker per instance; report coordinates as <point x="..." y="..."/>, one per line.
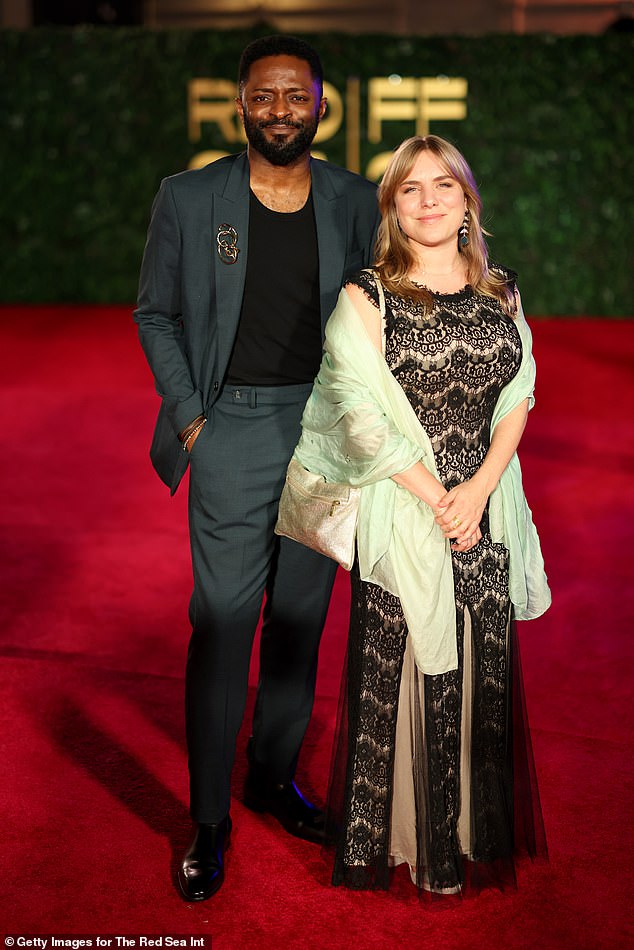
<point x="216" y="387"/>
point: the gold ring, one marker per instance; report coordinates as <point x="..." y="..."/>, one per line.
<point x="456" y="522"/>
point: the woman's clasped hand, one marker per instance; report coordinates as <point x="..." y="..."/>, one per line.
<point x="459" y="512"/>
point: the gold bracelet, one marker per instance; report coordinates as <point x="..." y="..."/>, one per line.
<point x="187" y="431"/>
<point x="192" y="434"/>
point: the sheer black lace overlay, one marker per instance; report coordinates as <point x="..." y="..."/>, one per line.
<point x="463" y="788"/>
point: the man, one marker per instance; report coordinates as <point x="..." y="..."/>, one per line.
<point x="243" y="264"/>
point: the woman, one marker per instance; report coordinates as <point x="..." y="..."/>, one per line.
<point x="421" y="400"/>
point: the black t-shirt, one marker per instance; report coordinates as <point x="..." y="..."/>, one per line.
<point x="279" y="337"/>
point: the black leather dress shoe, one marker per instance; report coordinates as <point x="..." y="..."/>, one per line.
<point x="202" y="870"/>
<point x="286" y="803"/>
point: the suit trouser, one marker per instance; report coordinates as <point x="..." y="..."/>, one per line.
<point x="237" y="470"/>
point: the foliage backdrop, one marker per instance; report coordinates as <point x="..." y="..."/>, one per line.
<point x="92" y="119"/>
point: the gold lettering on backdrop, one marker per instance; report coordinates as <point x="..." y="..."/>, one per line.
<point x="390" y="99"/>
<point x="393" y="99"/>
<point x="396" y="99"/>
<point x="442" y="98"/>
<point x="353" y="127"/>
<point x="213" y="100"/>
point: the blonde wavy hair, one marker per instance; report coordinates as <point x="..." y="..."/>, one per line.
<point x="394" y="257"/>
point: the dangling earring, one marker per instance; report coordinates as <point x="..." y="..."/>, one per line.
<point x="463" y="230"/>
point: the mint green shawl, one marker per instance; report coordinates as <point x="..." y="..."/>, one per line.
<point x="359" y="428"/>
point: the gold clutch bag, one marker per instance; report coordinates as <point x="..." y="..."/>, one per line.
<point x="320" y="514"/>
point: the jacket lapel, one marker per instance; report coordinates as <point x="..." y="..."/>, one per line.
<point x="332" y="222"/>
<point x="232" y="209"/>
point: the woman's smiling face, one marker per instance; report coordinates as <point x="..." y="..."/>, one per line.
<point x="430" y="203"/>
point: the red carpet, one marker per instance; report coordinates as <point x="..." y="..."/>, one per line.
<point x="93" y="634"/>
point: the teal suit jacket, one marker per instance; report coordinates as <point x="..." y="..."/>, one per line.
<point x="189" y="300"/>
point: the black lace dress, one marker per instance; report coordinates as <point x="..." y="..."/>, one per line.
<point x="437" y="771"/>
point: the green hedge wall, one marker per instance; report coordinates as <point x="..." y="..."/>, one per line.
<point x="92" y="119"/>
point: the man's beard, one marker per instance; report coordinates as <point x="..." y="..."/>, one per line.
<point x="285" y="150"/>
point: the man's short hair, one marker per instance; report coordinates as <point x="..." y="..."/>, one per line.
<point x="279" y="44"/>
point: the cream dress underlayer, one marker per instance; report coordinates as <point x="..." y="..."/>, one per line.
<point x="437" y="771"/>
